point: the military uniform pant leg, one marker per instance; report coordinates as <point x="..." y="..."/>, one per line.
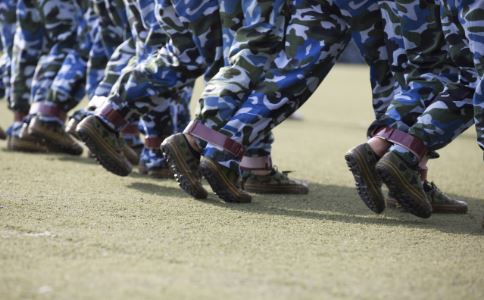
<point x="29" y="41"/>
<point x="470" y="15"/>
<point x="394" y="40"/>
<point x="258" y="39"/>
<point x="429" y="68"/>
<point x="174" y="66"/>
<point x="369" y="37"/>
<point x="60" y="20"/>
<point x="69" y="85"/>
<point x="96" y="65"/>
<point x="7" y="31"/>
<point x="294" y="75"/>
<point x="115" y="66"/>
<point x="452" y="111"/>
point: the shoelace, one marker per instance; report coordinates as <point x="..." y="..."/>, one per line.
<point x="285" y="173"/>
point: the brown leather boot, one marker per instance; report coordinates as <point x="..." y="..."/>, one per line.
<point x="25" y="142"/>
<point x="405" y="183"/>
<point x="105" y="144"/>
<point x="184" y="164"/>
<point x="361" y="161"/>
<point x="441" y="203"/>
<point x="55" y="136"/>
<point x="274" y="182"/>
<point x="224" y="181"/>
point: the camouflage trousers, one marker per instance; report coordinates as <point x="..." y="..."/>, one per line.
<point x="97" y="62"/>
<point x="176" y="64"/>
<point x="7" y="31"/>
<point x="28" y="46"/>
<point x="397" y="58"/>
<point x="171" y="114"/>
<point x="369" y="36"/>
<point x="437" y="98"/>
<point x="97" y="55"/>
<point x="113" y="39"/>
<point x="464" y="20"/>
<point x="149" y="38"/>
<point x="105" y="37"/>
<point x="33" y="39"/>
<point x="59" y="73"/>
<point x="59" y="21"/>
<point x="315" y="35"/>
<point x="252" y="34"/>
<point x="70" y="81"/>
<point x="106" y="29"/>
<point x="3" y="62"/>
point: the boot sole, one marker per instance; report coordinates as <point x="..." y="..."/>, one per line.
<point x="392" y="178"/>
<point x="158" y="174"/>
<point x="131" y="155"/>
<point x="364" y="181"/>
<point x="449" y="209"/>
<point x="181" y="170"/>
<point x="53" y="145"/>
<point x="220" y="184"/>
<point x="25" y="146"/>
<point x="436" y="209"/>
<point x="95" y="145"/>
<point x="280" y="189"/>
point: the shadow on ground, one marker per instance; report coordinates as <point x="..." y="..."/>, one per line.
<point x="52" y="156"/>
<point x="154" y="189"/>
<point x="340" y="204"/>
<point x="324" y="203"/>
<point x="77" y="159"/>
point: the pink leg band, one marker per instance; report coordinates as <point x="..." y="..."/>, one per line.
<point x="131" y="129"/>
<point x="47" y="109"/>
<point x="152" y="142"/>
<point x="108" y="112"/>
<point x="199" y="130"/>
<point x="256" y="163"/>
<point x="413" y="144"/>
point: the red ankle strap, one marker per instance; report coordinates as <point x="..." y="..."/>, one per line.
<point x="413" y="144"/>
<point x="199" y="130"/>
<point x="111" y="115"/>
<point x="131" y="129"/>
<point x="153" y="142"/>
<point x="256" y="163"/>
<point x="47" y="109"/>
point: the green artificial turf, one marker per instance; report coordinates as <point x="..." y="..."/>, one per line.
<point x="71" y="230"/>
